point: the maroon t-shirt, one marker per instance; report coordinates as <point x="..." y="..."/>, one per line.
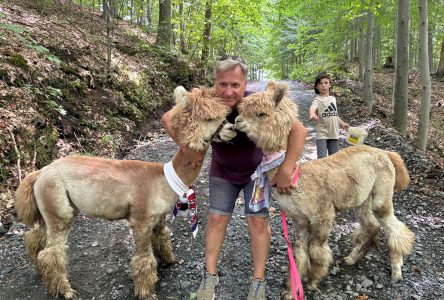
<point x="236" y="160"/>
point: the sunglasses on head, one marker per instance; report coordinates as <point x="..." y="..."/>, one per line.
<point x="232" y="57"/>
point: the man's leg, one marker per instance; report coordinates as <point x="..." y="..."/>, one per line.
<point x="214" y="239"/>
<point x="260" y="235"/>
<point x="223" y="196"/>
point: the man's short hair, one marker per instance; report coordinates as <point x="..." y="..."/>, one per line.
<point x="230" y="62"/>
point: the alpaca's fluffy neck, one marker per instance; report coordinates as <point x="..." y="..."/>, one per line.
<point x="186" y="169"/>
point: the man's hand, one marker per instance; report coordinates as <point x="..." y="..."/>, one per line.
<point x="282" y="180"/>
<point x="227" y="133"/>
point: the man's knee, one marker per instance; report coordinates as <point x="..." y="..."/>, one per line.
<point x="258" y="224"/>
<point x="218" y="221"/>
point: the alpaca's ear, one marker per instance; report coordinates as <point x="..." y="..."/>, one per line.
<point x="181" y="95"/>
<point x="279" y="93"/>
<point x="271" y="86"/>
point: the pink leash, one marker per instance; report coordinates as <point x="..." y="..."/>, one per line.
<point x="294" y="273"/>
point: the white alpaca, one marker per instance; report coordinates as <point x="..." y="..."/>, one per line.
<point x="49" y="199"/>
<point x="359" y="177"/>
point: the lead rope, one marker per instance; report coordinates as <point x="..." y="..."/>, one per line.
<point x="294" y="273"/>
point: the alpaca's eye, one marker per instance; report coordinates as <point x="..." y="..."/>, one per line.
<point x="262" y="114"/>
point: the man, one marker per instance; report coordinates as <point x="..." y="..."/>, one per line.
<point x="231" y="167"/>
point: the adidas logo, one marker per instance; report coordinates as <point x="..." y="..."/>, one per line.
<point x="330" y="111"/>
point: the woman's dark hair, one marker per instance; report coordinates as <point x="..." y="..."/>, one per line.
<point x="319" y="78"/>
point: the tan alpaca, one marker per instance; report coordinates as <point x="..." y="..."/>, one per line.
<point x="359" y="177"/>
<point x="48" y="200"/>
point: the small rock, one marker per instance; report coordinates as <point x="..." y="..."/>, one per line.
<point x="366" y="283"/>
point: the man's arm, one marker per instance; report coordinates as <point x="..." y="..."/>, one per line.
<point x="295" y="147"/>
<point x="166" y="121"/>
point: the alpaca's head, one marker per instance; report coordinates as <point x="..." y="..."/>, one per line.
<point x="196" y="116"/>
<point x="267" y="117"/>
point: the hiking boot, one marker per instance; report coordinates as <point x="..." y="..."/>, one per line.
<point x="257" y="290"/>
<point x="207" y="286"/>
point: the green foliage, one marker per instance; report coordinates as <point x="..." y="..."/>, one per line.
<point x="49" y="95"/>
<point x="17" y="60"/>
<point x="17" y="29"/>
<point x="23" y="35"/>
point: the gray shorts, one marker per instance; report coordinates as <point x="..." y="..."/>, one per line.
<point x="223" y="195"/>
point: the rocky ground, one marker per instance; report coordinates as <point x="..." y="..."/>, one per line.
<point x="100" y="251"/>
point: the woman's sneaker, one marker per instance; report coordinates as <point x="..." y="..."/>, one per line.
<point x="257" y="290"/>
<point x="207" y="286"/>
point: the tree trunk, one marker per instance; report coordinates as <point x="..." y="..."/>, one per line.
<point x="149" y="15"/>
<point x="430" y="46"/>
<point x="402" y="67"/>
<point x="164" y="29"/>
<point x="353" y="41"/>
<point x="395" y="52"/>
<point x="423" y="126"/>
<point x="440" y="70"/>
<point x="109" y="8"/>
<point x="207" y="32"/>
<point x="131" y="11"/>
<point x="361" y="49"/>
<point x="368" y="84"/>
<point x="183" y="48"/>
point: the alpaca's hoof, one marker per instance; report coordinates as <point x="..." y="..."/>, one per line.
<point x="71" y="294"/>
<point x="349" y="260"/>
<point x="313" y="286"/>
<point x="287" y="295"/>
<point x="396" y="277"/>
<point x="150" y="297"/>
<point x="169" y="259"/>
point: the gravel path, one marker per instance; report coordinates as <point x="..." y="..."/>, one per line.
<point x="100" y="251"/>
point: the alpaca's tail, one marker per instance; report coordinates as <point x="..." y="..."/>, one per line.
<point x="402" y="174"/>
<point x="25" y="204"/>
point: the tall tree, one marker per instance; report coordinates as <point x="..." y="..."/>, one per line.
<point x="440" y="69"/>
<point x="164" y="30"/>
<point x="368" y="84"/>
<point x="402" y="67"/>
<point x="206" y="32"/>
<point x="421" y="140"/>
<point x="361" y="49"/>
<point x="182" y="45"/>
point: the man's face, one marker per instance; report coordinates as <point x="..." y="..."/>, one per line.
<point x="230" y="86"/>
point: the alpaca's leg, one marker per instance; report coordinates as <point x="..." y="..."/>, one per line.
<point x="52" y="261"/>
<point x="35" y="241"/>
<point x="162" y="247"/>
<point x="399" y="238"/>
<point x="321" y="255"/>
<point x="143" y="263"/>
<point x="58" y="214"/>
<point x="301" y="240"/>
<point x="366" y="234"/>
